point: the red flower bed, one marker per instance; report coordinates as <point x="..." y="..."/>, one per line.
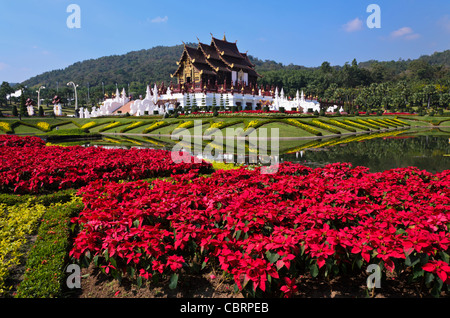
<point x="249" y="112"/>
<point x="265" y="230"/>
<point x="395" y="114"/>
<point x="28" y="166"/>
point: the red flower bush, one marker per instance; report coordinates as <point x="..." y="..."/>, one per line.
<point x="28" y="166"/>
<point x="265" y="230"/>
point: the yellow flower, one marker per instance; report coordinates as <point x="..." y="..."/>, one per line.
<point x="112" y="125"/>
<point x="44" y="126"/>
<point x="154" y="126"/>
<point x="16" y="224"/>
<point x="6" y="127"/>
<point x="89" y="125"/>
<point x="252" y="124"/>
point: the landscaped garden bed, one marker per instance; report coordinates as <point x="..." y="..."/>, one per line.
<point x="265" y="232"/>
<point x="140" y="220"/>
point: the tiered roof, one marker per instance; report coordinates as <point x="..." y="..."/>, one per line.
<point x="220" y="55"/>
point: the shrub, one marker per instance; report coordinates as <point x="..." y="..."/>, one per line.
<point x="303" y="126"/>
<point x="111" y="126"/>
<point x="184" y="125"/>
<point x="46" y="200"/>
<point x="16" y="224"/>
<point x="324" y="126"/>
<point x="156" y="125"/>
<point x="132" y="126"/>
<point x="6" y="127"/>
<point x="355" y="124"/>
<point x="44" y="126"/>
<point x="251" y="124"/>
<point x="35" y="168"/>
<point x="264" y="231"/>
<point x="89" y="125"/>
<point x="40" y="111"/>
<point x="45" y="267"/>
<point x="341" y="125"/>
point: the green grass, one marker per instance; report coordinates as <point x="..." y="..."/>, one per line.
<point x="284" y="129"/>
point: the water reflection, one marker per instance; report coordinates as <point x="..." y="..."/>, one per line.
<point x="428" y="150"/>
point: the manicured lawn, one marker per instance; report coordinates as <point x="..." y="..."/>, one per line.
<point x="284" y="129"/>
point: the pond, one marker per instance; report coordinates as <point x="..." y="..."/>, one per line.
<point x="426" y="149"/>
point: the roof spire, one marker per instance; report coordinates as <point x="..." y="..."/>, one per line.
<point x="224" y="38"/>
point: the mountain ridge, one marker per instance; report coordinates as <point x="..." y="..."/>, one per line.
<point x="157" y="63"/>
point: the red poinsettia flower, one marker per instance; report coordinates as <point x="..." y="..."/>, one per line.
<point x="290" y="288"/>
<point x="440" y="268"/>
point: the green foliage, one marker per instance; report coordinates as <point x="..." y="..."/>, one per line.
<point x="377" y="84"/>
<point x="45" y="268"/>
<point x="23" y="108"/>
<point x="46" y="200"/>
<point x="67" y="132"/>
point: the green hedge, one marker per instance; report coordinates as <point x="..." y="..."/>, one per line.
<point x="48" y="199"/>
<point x="45" y="275"/>
<point x="67" y="132"/>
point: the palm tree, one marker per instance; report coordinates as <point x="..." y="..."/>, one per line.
<point x="429" y="91"/>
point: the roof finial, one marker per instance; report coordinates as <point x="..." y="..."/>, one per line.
<point x="224" y="38"/>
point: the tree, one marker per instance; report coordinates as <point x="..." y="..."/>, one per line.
<point x="214" y="102"/>
<point x="421" y="70"/>
<point x="429" y="91"/>
<point x="5" y="89"/>
<point x="41" y="111"/>
<point x="188" y="100"/>
<point x="325" y="68"/>
<point x="23" y="107"/>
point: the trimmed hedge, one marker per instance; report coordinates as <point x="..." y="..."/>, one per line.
<point x="133" y="125"/>
<point x="46" y="200"/>
<point x="45" y="275"/>
<point x="340" y="125"/>
<point x="304" y="126"/>
<point x="321" y="125"/>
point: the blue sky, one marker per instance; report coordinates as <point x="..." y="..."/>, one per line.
<point x="35" y="38"/>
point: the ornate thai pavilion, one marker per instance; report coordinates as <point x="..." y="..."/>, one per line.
<point x="219" y="63"/>
<point x="217" y="74"/>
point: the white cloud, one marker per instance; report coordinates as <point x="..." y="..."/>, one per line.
<point x="404" y="33"/>
<point x="3" y="66"/>
<point x="401" y="32"/>
<point x="444" y="23"/>
<point x="353" y="25"/>
<point x="160" y="20"/>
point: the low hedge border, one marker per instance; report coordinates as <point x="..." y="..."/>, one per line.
<point x="46" y="200"/>
<point x="339" y="124"/>
<point x="45" y="275"/>
<point x="133" y="125"/>
<point x="304" y="126"/>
